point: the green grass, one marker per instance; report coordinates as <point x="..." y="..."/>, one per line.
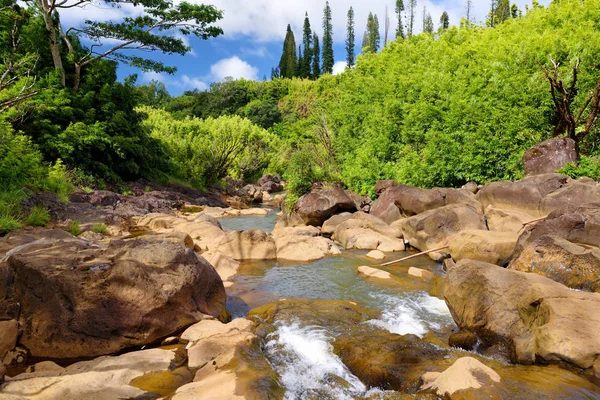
<point x="126" y="192"/>
<point x="100" y="228"/>
<point x="8" y="223"/>
<point x="74" y="228"/>
<point x="38" y="216"/>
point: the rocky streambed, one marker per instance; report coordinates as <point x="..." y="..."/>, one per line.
<point x="203" y="302"/>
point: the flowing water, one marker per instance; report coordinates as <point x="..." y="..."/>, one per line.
<point x="302" y="353"/>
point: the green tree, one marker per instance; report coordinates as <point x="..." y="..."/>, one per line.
<point x="288" y="62"/>
<point x="156" y="29"/>
<point x="306" y="60"/>
<point x="444" y="21"/>
<point x="515" y="12"/>
<point x="503" y="11"/>
<point x="427" y="21"/>
<point x="399" y="11"/>
<point x="316" y="60"/>
<point x="328" y="58"/>
<point x="412" y="10"/>
<point x="375" y="35"/>
<point x="350" y="40"/>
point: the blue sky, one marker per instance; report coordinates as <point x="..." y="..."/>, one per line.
<point x="254" y="33"/>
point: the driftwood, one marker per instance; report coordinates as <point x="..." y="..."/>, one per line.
<point x="413" y="256"/>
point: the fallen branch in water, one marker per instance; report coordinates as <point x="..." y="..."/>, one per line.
<point x="413" y="256"/>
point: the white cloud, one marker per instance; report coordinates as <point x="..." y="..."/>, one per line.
<point x="153" y="76"/>
<point x="233" y="67"/>
<point x="185" y="82"/>
<point x="339" y="67"/>
<point x="188" y="83"/>
<point x="258" y="51"/>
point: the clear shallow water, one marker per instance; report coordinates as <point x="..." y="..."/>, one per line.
<point x="245" y="222"/>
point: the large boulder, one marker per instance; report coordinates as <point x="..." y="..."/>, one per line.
<point x="317" y="206"/>
<point x="367" y="232"/>
<point x="574" y="193"/>
<point x="573" y="265"/>
<point x="433" y="229"/>
<point x="362" y="203"/>
<point x="405" y="201"/>
<point x="248" y="245"/>
<point x="537" y="319"/>
<point x="525" y="195"/>
<point x="73" y="298"/>
<point x="332" y="223"/>
<point x="500" y="220"/>
<point x="383" y="185"/>
<point x="550" y="156"/>
<point x="482" y="245"/>
<point x="304" y="248"/>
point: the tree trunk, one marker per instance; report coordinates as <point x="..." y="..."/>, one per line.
<point x="77" y="79"/>
<point x="54" y="41"/>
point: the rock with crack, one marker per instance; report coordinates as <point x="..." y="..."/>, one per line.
<point x="73" y="298"/>
<point x="537" y="319"/>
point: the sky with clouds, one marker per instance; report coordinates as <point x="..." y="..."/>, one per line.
<point x="254" y="31"/>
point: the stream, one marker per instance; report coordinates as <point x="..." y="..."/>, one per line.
<point x="302" y="353"/>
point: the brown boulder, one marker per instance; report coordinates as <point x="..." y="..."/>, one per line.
<point x="537" y="319"/>
<point x="575" y="266"/>
<point x="248" y="245"/>
<point x="405" y="201"/>
<point x="524" y="195"/>
<point x="574" y="193"/>
<point x="332" y="223"/>
<point x="9" y="331"/>
<point x="73" y="298"/>
<point x="317" y="206"/>
<point x="382" y="186"/>
<point x="500" y="220"/>
<point x="483" y="245"/>
<point x="19" y="238"/>
<point x="434" y="228"/>
<point x="550" y="156"/>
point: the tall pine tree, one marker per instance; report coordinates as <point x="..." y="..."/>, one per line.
<point x="306" y="61"/>
<point x="412" y="9"/>
<point x="399" y="11"/>
<point x="375" y="35"/>
<point x="503" y="11"/>
<point x="316" y="61"/>
<point x="328" y="59"/>
<point x="300" y="61"/>
<point x="288" y="62"/>
<point x="366" y="42"/>
<point x="444" y="21"/>
<point x="350" y="40"/>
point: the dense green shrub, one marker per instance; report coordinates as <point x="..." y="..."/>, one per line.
<point x="587" y="167"/>
<point x="38" y="216"/>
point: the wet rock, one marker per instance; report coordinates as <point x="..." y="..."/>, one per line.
<point x="105" y="378"/>
<point x="248" y="245"/>
<point x="75" y="299"/>
<point x="550" y="156"/>
<point x="433" y="229"/>
<point x="405" y="201"/>
<point x="483" y="245"/>
<point x="500" y="220"/>
<point x="421" y="274"/>
<point x="370" y="272"/>
<point x="537" y="319"/>
<point x="463" y="339"/>
<point x="376" y="255"/>
<point x="465" y="374"/>
<point x="317" y="206"/>
<point x="573" y="265"/>
<point x="525" y="195"/>
<point x="387" y="361"/>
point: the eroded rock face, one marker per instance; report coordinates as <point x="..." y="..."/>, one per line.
<point x="537" y="319"/>
<point x="433" y="229"/>
<point x="405" y="201"/>
<point x="317" y="206"/>
<point x="74" y="298"/>
<point x="550" y="156"/>
<point x="483" y="245"/>
<point x="573" y="265"/>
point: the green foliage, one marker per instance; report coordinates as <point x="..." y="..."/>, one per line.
<point x="289" y="61"/>
<point x="328" y="58"/>
<point x="8" y="223"/>
<point x="351" y="39"/>
<point x="59" y="181"/>
<point x="20" y="160"/>
<point x="588" y="167"/>
<point x="100" y="228"/>
<point x="73" y="228"/>
<point x="205" y="151"/>
<point x="38" y="216"/>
